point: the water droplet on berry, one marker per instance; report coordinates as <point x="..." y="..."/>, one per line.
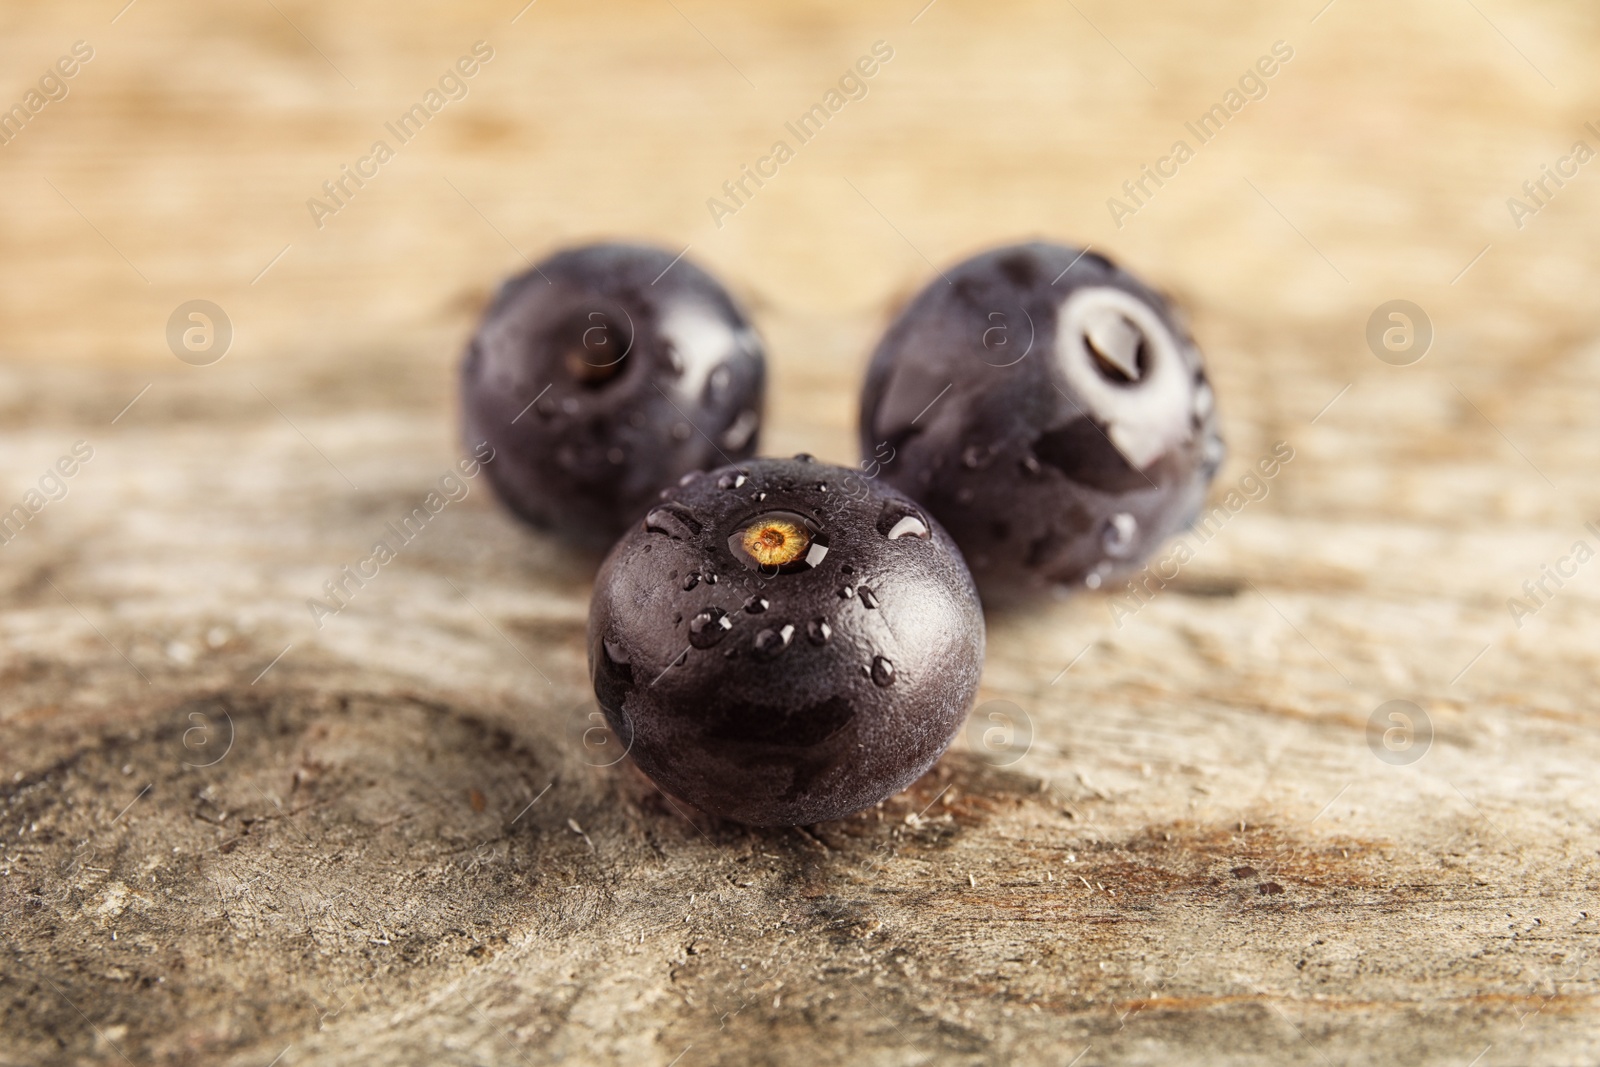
<point x="756" y="605"/>
<point x="673" y="520"/>
<point x="709" y="627"/>
<point x="898" y="520"/>
<point x="805" y="457"/>
<point x="731" y="480"/>
<point x="744" y="427"/>
<point x="882" y="672"/>
<point x="1120" y="535"/>
<point x="691" y="581"/>
<point x="869" y="599"/>
<point x="717" y="384"/>
<point x="847" y="592"/>
<point x="613" y="675"/>
<point x="818" y="631"/>
<point x="769" y="643"/>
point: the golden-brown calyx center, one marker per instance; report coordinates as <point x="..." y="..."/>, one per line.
<point x="776" y="542"/>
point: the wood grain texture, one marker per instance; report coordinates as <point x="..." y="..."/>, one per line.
<point x="390" y="848"/>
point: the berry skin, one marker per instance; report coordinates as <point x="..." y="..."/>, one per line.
<point x="782" y="642"/>
<point x="601" y="375"/>
<point x="1050" y="410"/>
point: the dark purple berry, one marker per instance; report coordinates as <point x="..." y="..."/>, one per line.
<point x="768" y="698"/>
<point x="1050" y="410"/>
<point x="603" y="374"/>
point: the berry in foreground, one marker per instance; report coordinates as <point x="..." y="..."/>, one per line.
<point x="783" y="642"/>
<point x="1050" y="410"/>
<point x="602" y="374"/>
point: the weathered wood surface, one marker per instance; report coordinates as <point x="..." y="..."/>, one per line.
<point x="388" y="848"/>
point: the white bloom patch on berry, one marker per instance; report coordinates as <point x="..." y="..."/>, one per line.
<point x="1127" y="369"/>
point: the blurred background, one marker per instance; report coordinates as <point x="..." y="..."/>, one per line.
<point x="1377" y="166"/>
<point x="155" y="153"/>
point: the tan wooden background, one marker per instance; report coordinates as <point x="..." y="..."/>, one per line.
<point x="387" y="848"/>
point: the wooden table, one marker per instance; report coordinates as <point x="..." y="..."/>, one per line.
<point x="230" y="836"/>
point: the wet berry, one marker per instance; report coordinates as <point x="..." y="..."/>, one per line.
<point x="1050" y="410"/>
<point x="603" y="374"/>
<point x="767" y="697"/>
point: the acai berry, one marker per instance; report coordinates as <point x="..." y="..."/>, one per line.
<point x="602" y="374"/>
<point x="778" y="650"/>
<point x="1050" y="409"/>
